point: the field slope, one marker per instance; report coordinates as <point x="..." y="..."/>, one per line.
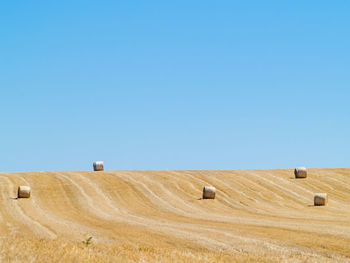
<point x="159" y="216"/>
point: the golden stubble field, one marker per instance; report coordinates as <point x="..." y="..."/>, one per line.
<point x="158" y="216"/>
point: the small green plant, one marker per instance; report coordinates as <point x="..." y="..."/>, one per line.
<point x="87" y="241"/>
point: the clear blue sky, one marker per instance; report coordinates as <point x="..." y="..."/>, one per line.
<point x="174" y="84"/>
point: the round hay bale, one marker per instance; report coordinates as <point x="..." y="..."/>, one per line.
<point x="320" y="199"/>
<point x="209" y="192"/>
<point x="99" y="166"/>
<point x="300" y="172"/>
<point x="23" y="191"/>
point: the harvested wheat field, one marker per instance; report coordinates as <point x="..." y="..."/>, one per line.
<point x="159" y="216"/>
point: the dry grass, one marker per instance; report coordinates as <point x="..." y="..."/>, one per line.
<point x="22" y="249"/>
<point x="145" y="216"/>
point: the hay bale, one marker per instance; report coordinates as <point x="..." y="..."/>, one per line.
<point x="99" y="166"/>
<point x="320" y="199"/>
<point x="209" y="192"/>
<point x="23" y="191"/>
<point x="300" y="172"/>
